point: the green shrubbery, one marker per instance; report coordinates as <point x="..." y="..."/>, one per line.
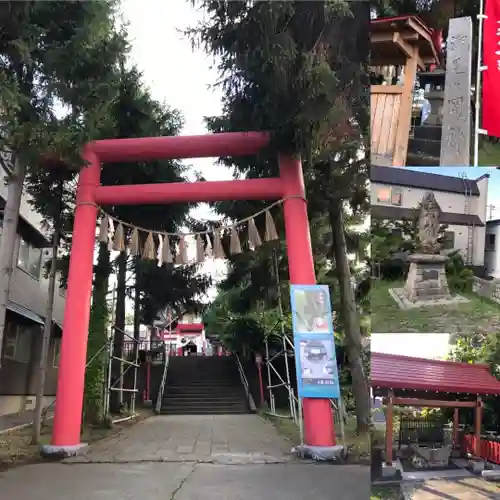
<point x="459" y="276"/>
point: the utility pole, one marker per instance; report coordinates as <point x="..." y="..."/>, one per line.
<point x="491" y="209"/>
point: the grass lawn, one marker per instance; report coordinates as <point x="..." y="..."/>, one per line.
<point x="489" y="155"/>
<point x="477" y="316"/>
<point x="385" y="493"/>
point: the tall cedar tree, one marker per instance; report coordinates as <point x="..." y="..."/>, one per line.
<point x="295" y="68"/>
<point x="56" y="58"/>
<point x="136" y="114"/>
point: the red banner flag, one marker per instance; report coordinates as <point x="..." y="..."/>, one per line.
<point x="491" y="75"/>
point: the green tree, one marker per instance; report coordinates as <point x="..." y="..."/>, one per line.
<point x="49" y="325"/>
<point x="53" y="55"/>
<point x="135" y="114"/>
<point x="293" y="68"/>
<point x="480" y="348"/>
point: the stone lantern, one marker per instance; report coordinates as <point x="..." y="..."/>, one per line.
<point x="433" y="83"/>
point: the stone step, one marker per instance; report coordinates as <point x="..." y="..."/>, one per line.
<point x="170" y="401"/>
<point x="197" y="411"/>
<point x="201" y="385"/>
<point x="203" y="389"/>
<point x="420" y="160"/>
<point x="424" y="146"/>
<point x="203" y="401"/>
<point x="237" y="391"/>
<point x="195" y="396"/>
<point x="428" y="132"/>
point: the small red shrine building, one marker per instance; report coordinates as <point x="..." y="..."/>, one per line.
<point x="187" y="338"/>
<point x="427" y="383"/>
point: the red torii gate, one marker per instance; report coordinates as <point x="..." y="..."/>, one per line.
<point x="318" y="418"/>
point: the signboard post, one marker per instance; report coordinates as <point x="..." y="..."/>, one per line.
<point x="315" y="358"/>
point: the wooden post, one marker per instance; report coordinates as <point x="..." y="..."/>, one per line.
<point x="388" y="429"/>
<point x="477" y="422"/>
<point x="404" y="122"/>
<point x="456" y="420"/>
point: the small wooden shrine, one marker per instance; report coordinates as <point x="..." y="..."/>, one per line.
<point x="429" y="383"/>
<point x="397" y="42"/>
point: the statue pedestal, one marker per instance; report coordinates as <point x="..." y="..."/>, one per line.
<point x="427" y="278"/>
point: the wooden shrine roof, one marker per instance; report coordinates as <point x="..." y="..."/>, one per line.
<point x="391" y="37"/>
<point x="391" y="371"/>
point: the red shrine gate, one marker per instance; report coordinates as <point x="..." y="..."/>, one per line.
<point x="318" y="418"/>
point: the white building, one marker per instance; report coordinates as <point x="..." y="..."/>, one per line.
<point x="397" y="192"/>
<point x="25" y="315"/>
<point x="491" y="253"/>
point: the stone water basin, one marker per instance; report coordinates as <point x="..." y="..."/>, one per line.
<point x="431" y="456"/>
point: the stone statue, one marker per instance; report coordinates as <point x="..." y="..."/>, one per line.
<point x="428" y="225"/>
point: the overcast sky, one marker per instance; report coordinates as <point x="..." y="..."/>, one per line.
<point x="418" y="345"/>
<point x="176" y="73"/>
<point x="179" y="76"/>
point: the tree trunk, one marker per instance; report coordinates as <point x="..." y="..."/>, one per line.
<point x="137" y="317"/>
<point x="137" y="300"/>
<point x="118" y="336"/>
<point x="47" y="329"/>
<point x="8" y="240"/>
<point x="98" y="337"/>
<point x="350" y="315"/>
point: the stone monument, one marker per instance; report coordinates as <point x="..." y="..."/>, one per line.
<point x="427" y="275"/>
<point x="455" y="142"/>
<point x="426" y="283"/>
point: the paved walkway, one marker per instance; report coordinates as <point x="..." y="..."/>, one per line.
<point x="193" y="438"/>
<point x="219" y="457"/>
<point x="452" y="489"/>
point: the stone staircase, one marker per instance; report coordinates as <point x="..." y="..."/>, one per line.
<point x="203" y="385"/>
<point x="424" y="148"/>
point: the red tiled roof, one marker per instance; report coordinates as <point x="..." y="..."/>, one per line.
<point x="391" y="371"/>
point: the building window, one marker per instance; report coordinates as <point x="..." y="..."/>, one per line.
<point x="29" y="259"/>
<point x="396" y="196"/>
<point x="490" y="242"/>
<point x="449" y="240"/>
<point x="56" y="353"/>
<point x="384" y="195"/>
<point x="17" y="343"/>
